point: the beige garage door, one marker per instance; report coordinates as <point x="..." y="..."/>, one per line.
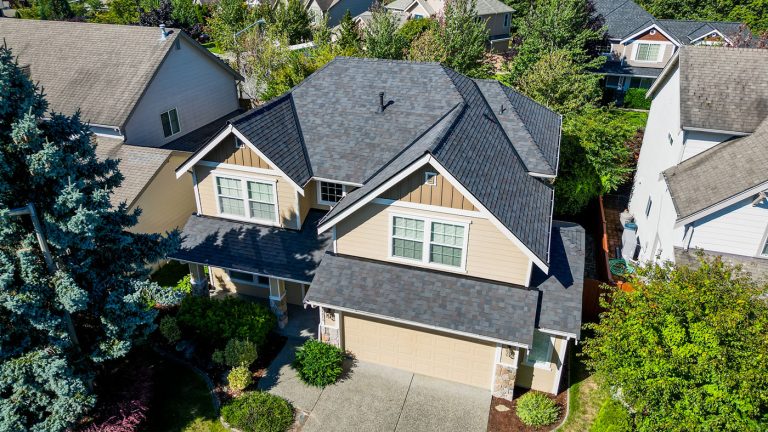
<point x="421" y="351"/>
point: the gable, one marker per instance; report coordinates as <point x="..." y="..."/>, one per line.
<point x="652" y="35"/>
<point x="413" y="189"/>
<point x="226" y="152"/>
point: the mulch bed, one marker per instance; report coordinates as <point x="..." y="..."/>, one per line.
<point x="507" y="421"/>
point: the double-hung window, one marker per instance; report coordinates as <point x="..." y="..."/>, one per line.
<point x="648" y="52"/>
<point x="432" y="242"/>
<point x="540" y="354"/>
<point x="170" y="121"/>
<point x="330" y="193"/>
<point x="249" y="199"/>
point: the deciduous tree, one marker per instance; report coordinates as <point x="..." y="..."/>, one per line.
<point x="381" y="38"/>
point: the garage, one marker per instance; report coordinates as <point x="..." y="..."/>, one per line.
<point x="419" y="350"/>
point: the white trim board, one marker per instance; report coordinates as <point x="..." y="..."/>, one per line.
<point x="721" y="205"/>
<point x="650" y="27"/>
<point x="424" y="160"/>
<point x="243" y="271"/>
<point x="415" y="324"/>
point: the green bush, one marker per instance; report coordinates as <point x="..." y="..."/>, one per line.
<point x="216" y="321"/>
<point x="239" y="378"/>
<point x="635" y="98"/>
<point x="613" y="417"/>
<point x="318" y="364"/>
<point x="536" y="409"/>
<point x="258" y="412"/>
<point x="236" y="353"/>
<point x="169" y="328"/>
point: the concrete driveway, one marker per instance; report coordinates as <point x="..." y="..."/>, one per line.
<point x="378" y="398"/>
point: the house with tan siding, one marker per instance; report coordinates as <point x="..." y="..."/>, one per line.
<point x="150" y="96"/>
<point x="412" y="213"/>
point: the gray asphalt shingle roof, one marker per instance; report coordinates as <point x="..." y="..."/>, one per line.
<point x="621" y="18"/>
<point x="102" y="69"/>
<point x="193" y="141"/>
<point x="686" y="31"/>
<point x="138" y="165"/>
<point x="484" y="7"/>
<point x="443" y="300"/>
<point x="725" y="170"/>
<point x="723" y="88"/>
<point x="617" y="68"/>
<point x="266" y="250"/>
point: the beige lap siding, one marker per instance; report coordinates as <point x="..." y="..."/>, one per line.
<point x="538" y="378"/>
<point x="286" y="193"/>
<point x="166" y="203"/>
<point x="220" y="279"/>
<point x="490" y="254"/>
<point x="422" y="351"/>
<point x="293" y="293"/>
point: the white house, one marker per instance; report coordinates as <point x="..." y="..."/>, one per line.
<point x="701" y="178"/>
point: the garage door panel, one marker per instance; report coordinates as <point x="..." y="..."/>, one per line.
<point x="421" y="351"/>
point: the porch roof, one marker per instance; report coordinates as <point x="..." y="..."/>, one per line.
<point x="264" y="250"/>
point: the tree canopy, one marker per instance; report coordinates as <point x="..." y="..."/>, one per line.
<point x="754" y="13"/>
<point x="61" y="322"/>
<point x="686" y="349"/>
<point x="381" y="38"/>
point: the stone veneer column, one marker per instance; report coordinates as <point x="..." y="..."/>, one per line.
<point x="277" y="301"/>
<point x="330" y="327"/>
<point x="198" y="280"/>
<point x="505" y="372"/>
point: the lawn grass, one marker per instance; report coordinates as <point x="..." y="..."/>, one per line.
<point x="170" y="274"/>
<point x="181" y="401"/>
<point x="585" y="397"/>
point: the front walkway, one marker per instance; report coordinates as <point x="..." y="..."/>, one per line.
<point x="378" y="398"/>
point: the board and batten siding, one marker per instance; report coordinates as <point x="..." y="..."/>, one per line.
<point x="227" y="153"/>
<point x="490" y="255"/>
<point x="738" y="229"/>
<point x="199" y="88"/>
<point x="286" y="194"/>
<point x="167" y="202"/>
<point x="413" y="189"/>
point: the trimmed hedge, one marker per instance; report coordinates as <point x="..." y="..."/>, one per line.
<point x="536" y="409"/>
<point x="612" y="417"/>
<point x="237" y="353"/>
<point x="635" y="98"/>
<point x="318" y="364"/>
<point x="216" y="321"/>
<point x="258" y="412"/>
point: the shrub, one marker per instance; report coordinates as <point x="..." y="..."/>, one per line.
<point x="536" y="409"/>
<point x="240" y="353"/>
<point x="318" y="364"/>
<point x="613" y="417"/>
<point x="216" y="321"/>
<point x="184" y="285"/>
<point x="635" y="98"/>
<point x="258" y="411"/>
<point x="169" y="328"/>
<point x="239" y="378"/>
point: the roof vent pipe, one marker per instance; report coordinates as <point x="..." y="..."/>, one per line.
<point x="163" y="33"/>
<point x="381" y="102"/>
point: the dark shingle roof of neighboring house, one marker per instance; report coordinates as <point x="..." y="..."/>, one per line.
<point x="458" y="303"/>
<point x="102" y="69"/>
<point x="723" y="88"/>
<point x="484" y="7"/>
<point x="562" y="289"/>
<point x="265" y="250"/>
<point x="193" y="141"/>
<point x="621" y="18"/>
<point x="137" y="164"/>
<point x="717" y="174"/>
<point x="617" y="68"/>
<point x="687" y="31"/>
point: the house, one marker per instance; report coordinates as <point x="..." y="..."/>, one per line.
<point x="414" y="212"/>
<point x="701" y="175"/>
<point x="334" y="10"/>
<point x="638" y="46"/>
<point x="150" y="95"/>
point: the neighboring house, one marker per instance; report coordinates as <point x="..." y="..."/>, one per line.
<point x="149" y="95"/>
<point x="701" y="178"/>
<point x="638" y="46"/>
<point x="413" y="211"/>
<point x="334" y="10"/>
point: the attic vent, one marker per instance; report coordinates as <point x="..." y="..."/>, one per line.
<point x="652" y="32"/>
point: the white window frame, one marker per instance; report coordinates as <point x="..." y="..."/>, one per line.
<point x="426" y="242"/>
<point x="648" y="206"/>
<point x="430" y="178"/>
<point x="254" y="279"/>
<point x="170" y="123"/>
<point x="244" y="185"/>
<point x="763" y="245"/>
<point x="541" y="364"/>
<point x="506" y="20"/>
<point x="659" y="56"/>
<point x="320" y="199"/>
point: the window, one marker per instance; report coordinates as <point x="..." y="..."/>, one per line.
<point x="670" y="139"/>
<point x="638" y="82"/>
<point x="443" y="242"/>
<point x="246" y="198"/>
<point x="417" y="16"/>
<point x="648" y="52"/>
<point x="239" y="144"/>
<point x="506" y="20"/>
<point x="170" y="120"/>
<point x="430" y="178"/>
<point x="648" y="207"/>
<point x="540" y="354"/>
<point x="248" y="278"/>
<point x="764" y="252"/>
<point x="330" y="193"/>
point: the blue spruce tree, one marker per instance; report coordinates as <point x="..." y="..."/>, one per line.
<point x="61" y="321"/>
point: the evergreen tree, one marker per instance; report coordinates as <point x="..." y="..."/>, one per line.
<point x="462" y="37"/>
<point x="54" y="10"/>
<point x="349" y="35"/>
<point x="98" y="279"/>
<point x="292" y="19"/>
<point x="229" y="17"/>
<point x="382" y="40"/>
